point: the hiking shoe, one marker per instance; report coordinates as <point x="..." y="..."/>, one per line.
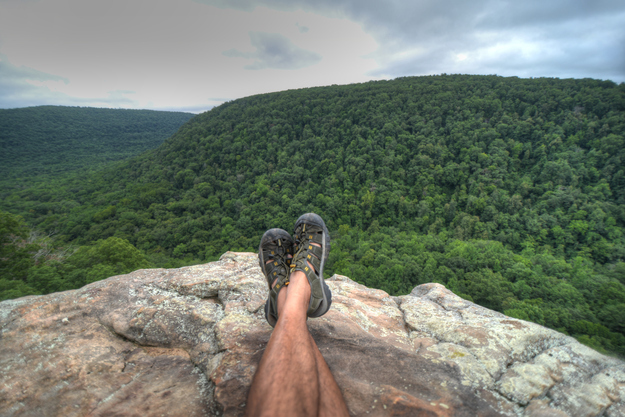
<point x="275" y="246"/>
<point x="310" y="229"/>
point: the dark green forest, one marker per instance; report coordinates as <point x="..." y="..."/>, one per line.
<point x="51" y="140"/>
<point x="510" y="192"/>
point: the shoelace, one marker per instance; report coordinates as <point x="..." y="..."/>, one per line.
<point x="301" y="242"/>
<point x="280" y="257"/>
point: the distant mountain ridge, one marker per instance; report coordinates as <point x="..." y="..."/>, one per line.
<point x="55" y="139"/>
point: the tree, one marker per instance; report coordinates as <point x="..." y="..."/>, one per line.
<point x="112" y="256"/>
<point x="16" y="254"/>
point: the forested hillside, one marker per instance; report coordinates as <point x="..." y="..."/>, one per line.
<point x="44" y="140"/>
<point x="511" y="192"/>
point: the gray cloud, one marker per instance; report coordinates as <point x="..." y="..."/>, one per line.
<point x="506" y="14"/>
<point x="275" y="51"/>
<point x="10" y="72"/>
<point x="576" y="38"/>
<point x="16" y="89"/>
<point x="562" y="49"/>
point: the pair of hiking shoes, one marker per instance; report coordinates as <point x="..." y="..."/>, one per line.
<point x="281" y="254"/>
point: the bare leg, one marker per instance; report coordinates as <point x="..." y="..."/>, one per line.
<point x="292" y="377"/>
<point x="331" y="402"/>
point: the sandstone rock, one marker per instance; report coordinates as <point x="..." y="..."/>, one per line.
<point x="187" y="342"/>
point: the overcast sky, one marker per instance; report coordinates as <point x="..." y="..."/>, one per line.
<point x="192" y="55"/>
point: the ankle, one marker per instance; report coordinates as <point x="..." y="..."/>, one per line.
<point x="298" y="291"/>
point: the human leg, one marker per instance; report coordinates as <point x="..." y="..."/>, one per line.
<point x="287" y="381"/>
<point x="331" y="401"/>
<point x="292" y="377"/>
<point x="312" y="247"/>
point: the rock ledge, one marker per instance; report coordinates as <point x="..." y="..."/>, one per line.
<point x="187" y="342"/>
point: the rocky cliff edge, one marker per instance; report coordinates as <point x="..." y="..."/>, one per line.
<point x="187" y="342"/>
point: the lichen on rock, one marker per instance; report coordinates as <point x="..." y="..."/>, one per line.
<point x="187" y="341"/>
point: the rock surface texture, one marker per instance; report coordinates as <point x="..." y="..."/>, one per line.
<point x="186" y="342"/>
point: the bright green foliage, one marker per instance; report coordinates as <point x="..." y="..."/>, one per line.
<point x="10" y="288"/>
<point x="529" y="310"/>
<point x="47" y="278"/>
<point x="16" y="253"/>
<point x="113" y="254"/>
<point x="510" y="192"/>
<point x="25" y="271"/>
